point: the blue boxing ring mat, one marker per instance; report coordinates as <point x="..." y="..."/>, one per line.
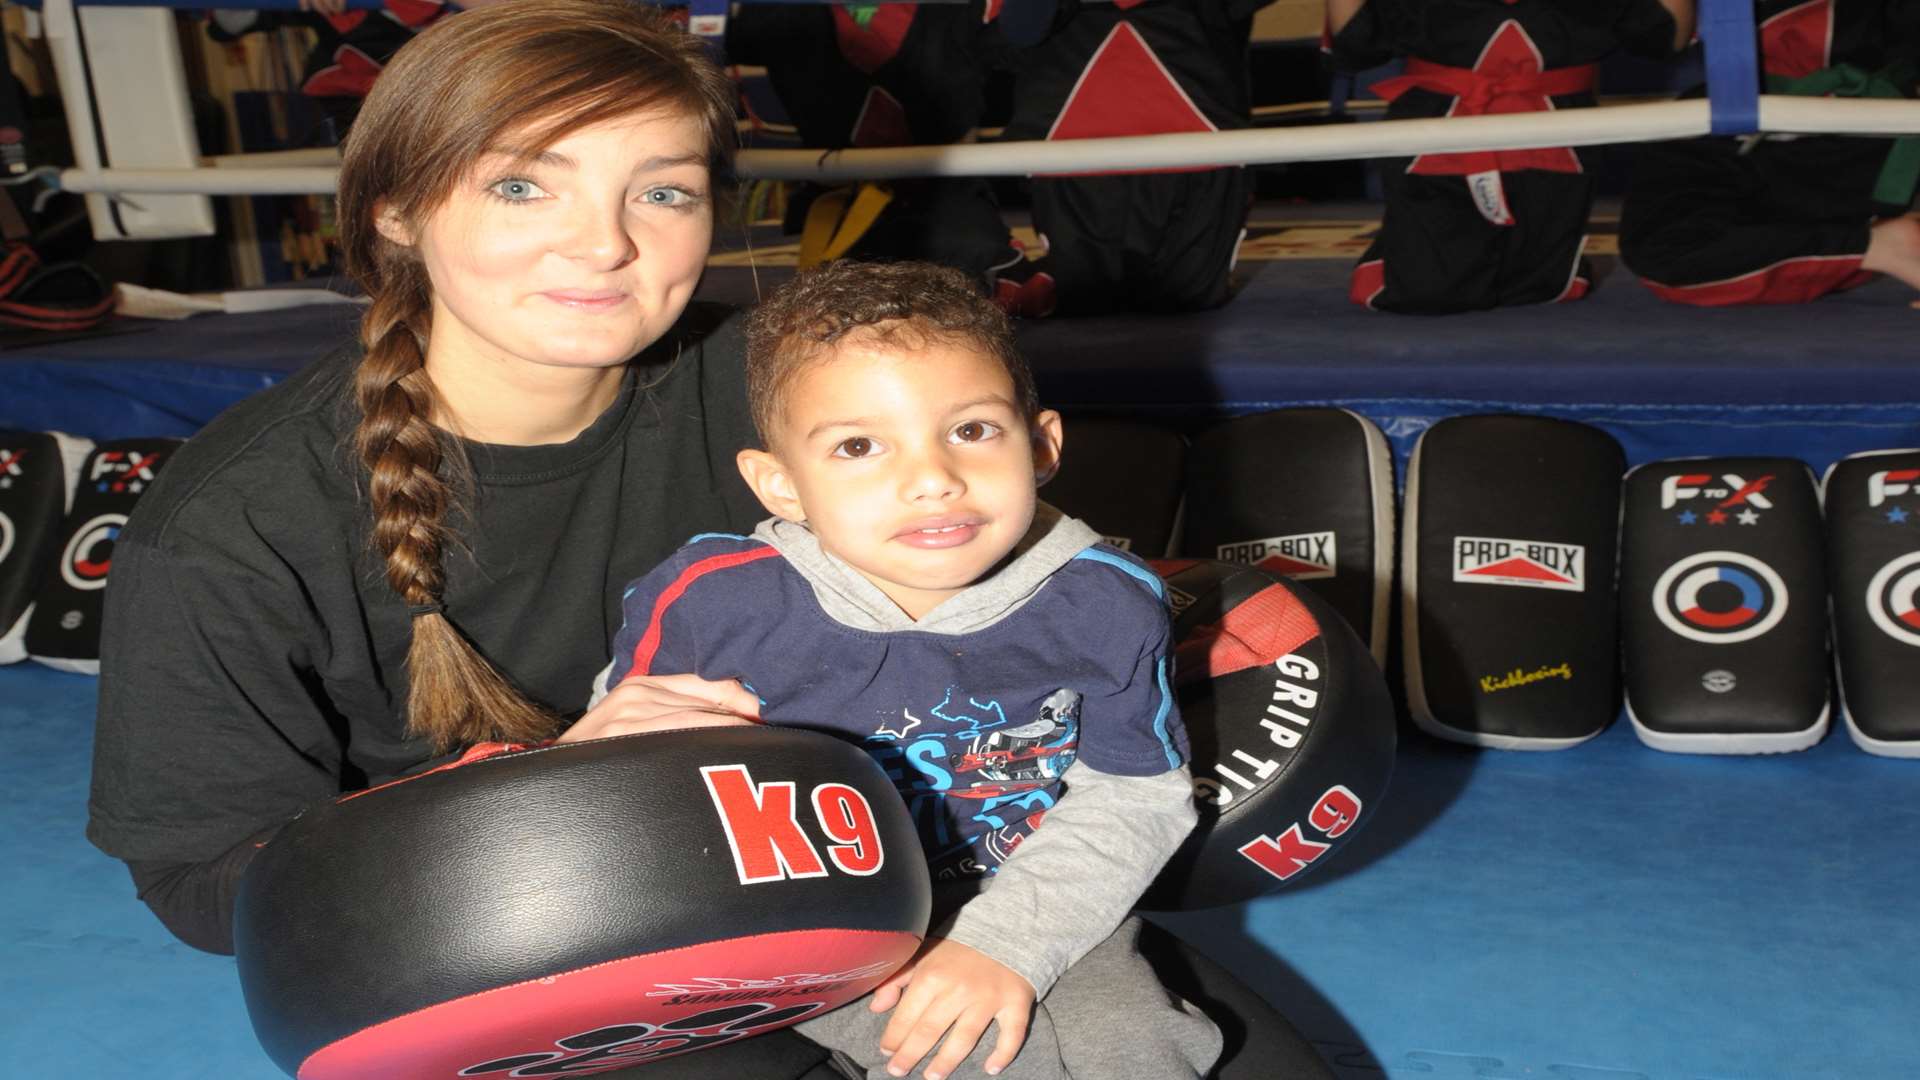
<point x="1607" y="912"/>
<point x="1603" y="913"/>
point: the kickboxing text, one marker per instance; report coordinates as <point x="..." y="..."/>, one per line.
<point x="1517" y="677"/>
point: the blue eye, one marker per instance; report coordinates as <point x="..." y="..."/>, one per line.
<point x="516" y="189"/>
<point x="677" y="198"/>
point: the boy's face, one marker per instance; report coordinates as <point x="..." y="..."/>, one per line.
<point x="913" y="465"/>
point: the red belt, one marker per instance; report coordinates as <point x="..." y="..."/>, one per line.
<point x="1493" y="92"/>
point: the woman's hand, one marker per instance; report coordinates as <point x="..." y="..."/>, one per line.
<point x="656" y="702"/>
<point x="953" y="990"/>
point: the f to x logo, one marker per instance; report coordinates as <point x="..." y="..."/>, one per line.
<point x="1731" y="491"/>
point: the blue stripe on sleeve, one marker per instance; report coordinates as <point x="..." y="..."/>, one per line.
<point x="1151" y="579"/>
<point x="1160" y="717"/>
<point x="715" y="536"/>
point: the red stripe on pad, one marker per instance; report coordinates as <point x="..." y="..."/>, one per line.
<point x="649" y="644"/>
<point x="1259" y="630"/>
<point x="635" y="1009"/>
<point x="476" y="752"/>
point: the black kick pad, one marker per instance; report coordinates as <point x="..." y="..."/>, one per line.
<point x="1123" y="478"/>
<point x="37" y="475"/>
<point x="1306" y="494"/>
<point x="1873" y="567"/>
<point x="1508" y="608"/>
<point x="64" y="631"/>
<point x="1724" y="598"/>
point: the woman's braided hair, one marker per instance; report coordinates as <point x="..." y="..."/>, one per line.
<point x="514" y="77"/>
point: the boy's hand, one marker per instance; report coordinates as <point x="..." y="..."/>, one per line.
<point x="655" y="702"/>
<point x="956" y="991"/>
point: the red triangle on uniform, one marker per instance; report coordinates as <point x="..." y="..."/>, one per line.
<point x="1796" y="42"/>
<point x="882" y="121"/>
<point x="1126" y="90"/>
<point x="1519" y="568"/>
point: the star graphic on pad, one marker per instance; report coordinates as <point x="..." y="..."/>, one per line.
<point x="1897" y="515"/>
<point x="1748" y="517"/>
<point x="1716" y="517"/>
<point x="1688" y="517"/>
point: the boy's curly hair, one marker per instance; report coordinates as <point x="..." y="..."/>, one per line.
<point x="907" y="304"/>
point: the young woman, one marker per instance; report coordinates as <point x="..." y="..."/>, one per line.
<point x="401" y="550"/>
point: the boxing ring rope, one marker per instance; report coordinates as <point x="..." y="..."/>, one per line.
<point x="1727" y="27"/>
<point x="1271" y="146"/>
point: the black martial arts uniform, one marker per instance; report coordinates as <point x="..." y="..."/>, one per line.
<point x="889" y="75"/>
<point x="1480" y="230"/>
<point x="1139" y="241"/>
<point x="1781" y="219"/>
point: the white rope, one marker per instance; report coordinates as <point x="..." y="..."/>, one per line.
<point x="1258" y="146"/>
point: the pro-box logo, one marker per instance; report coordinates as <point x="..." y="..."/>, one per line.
<point x="1533" y="564"/>
<point x="1302" y="556"/>
<point x="1729" y="490"/>
<point x="1890" y="483"/>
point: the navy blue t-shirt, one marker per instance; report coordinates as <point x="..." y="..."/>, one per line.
<point x="975" y="729"/>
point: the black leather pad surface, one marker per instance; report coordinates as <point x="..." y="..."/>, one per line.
<point x="64" y="630"/>
<point x="1723" y="594"/>
<point x="1306" y="494"/>
<point x="33" y="505"/>
<point x="1123" y="478"/>
<point x="1873" y="569"/>
<point x="1507" y="581"/>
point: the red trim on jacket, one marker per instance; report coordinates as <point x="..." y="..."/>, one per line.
<point x="649" y="644"/>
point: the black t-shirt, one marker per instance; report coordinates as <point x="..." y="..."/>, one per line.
<point x="253" y="655"/>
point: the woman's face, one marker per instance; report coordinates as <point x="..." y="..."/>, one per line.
<point x="579" y="258"/>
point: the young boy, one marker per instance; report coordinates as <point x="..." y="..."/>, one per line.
<point x="912" y="593"/>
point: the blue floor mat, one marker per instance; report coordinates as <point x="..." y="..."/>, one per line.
<point x="1607" y="912"/>
<point x="1602" y="913"/>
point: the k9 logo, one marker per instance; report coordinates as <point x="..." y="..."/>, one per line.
<point x="1290" y="852"/>
<point x="765" y="835"/>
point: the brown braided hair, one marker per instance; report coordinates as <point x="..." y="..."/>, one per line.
<point x="523" y="75"/>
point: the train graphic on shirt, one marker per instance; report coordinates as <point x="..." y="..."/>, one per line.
<point x="975" y="782"/>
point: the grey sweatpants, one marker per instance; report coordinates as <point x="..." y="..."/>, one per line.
<point x="1108" y="1016"/>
